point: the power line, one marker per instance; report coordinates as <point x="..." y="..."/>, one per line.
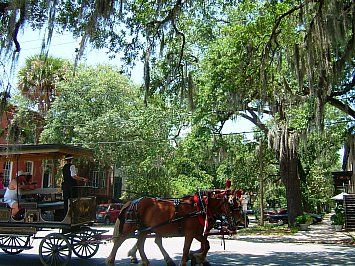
<point x="52" y="45"/>
<point x="41" y="39"/>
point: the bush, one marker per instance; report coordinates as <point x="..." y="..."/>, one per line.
<point x="339" y="217"/>
<point x="303" y="219"/>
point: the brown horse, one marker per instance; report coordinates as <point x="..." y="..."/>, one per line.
<point x="191" y="217"/>
<point x="235" y="219"/>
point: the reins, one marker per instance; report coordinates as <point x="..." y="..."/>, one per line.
<point x="189" y="215"/>
<point x="202" y="211"/>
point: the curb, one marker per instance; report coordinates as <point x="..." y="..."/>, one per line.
<point x="321" y="233"/>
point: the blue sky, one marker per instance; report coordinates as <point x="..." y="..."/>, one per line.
<point x="64" y="45"/>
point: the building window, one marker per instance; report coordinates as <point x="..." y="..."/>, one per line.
<point x="29" y="167"/>
<point x="47" y="171"/>
<point x="94" y="179"/>
<point x="103" y="180"/>
<point x="7" y="173"/>
<point x="98" y="179"/>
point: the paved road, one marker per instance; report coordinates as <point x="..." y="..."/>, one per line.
<point x="243" y="251"/>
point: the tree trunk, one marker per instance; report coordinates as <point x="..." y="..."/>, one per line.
<point x="290" y="178"/>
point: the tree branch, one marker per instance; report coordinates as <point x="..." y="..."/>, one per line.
<point x="18" y="25"/>
<point x="255" y="120"/>
<point x="170" y="17"/>
<point x="347" y="88"/>
<point x="341" y="106"/>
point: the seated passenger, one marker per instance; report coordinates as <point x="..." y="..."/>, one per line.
<point x="10" y="196"/>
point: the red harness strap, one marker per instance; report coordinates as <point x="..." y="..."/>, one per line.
<point x="203" y="219"/>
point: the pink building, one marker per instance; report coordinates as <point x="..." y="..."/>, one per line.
<point x="46" y="171"/>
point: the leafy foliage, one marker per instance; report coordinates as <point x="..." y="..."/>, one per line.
<point x="339" y="217"/>
<point x="38" y="78"/>
<point x="277" y="60"/>
<point x="303" y="219"/>
<point x="99" y="108"/>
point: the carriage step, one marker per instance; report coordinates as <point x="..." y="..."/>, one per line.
<point x="22" y="231"/>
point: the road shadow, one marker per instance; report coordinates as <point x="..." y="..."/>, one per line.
<point x="331" y="255"/>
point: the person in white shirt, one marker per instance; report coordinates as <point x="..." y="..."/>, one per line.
<point x="11" y="193"/>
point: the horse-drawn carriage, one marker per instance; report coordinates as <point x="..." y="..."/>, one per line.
<point x="45" y="211"/>
<point x="192" y="217"/>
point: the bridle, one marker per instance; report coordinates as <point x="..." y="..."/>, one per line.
<point x="229" y="204"/>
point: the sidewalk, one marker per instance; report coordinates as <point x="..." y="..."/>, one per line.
<point x="321" y="233"/>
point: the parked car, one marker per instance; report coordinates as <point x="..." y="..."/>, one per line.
<point x="223" y="222"/>
<point x="282" y="217"/>
<point x="108" y="212"/>
<point x="268" y="212"/>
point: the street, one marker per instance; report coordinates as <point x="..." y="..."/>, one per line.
<point x="237" y="252"/>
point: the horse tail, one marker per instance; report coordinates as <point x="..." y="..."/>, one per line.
<point x="117" y="229"/>
<point x="120" y="220"/>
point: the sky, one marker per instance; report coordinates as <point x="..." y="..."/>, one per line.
<point x="64" y="45"/>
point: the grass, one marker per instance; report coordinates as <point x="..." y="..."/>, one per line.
<point x="268" y="229"/>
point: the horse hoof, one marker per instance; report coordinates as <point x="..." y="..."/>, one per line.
<point x="170" y="263"/>
<point x="206" y="263"/>
<point x="193" y="260"/>
<point x="145" y="264"/>
<point x="190" y="256"/>
<point x="134" y="260"/>
<point x="109" y="262"/>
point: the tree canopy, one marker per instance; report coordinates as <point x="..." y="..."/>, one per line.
<point x="284" y="60"/>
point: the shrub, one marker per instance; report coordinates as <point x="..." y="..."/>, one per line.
<point x="303" y="219"/>
<point x="339" y="217"/>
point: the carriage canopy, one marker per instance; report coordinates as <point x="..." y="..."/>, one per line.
<point x="11" y="152"/>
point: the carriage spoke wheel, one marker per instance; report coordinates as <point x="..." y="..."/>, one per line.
<point x="16" y="244"/>
<point x="84" y="243"/>
<point x="55" y="250"/>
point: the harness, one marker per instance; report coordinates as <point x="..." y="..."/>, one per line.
<point x="131" y="216"/>
<point x="205" y="216"/>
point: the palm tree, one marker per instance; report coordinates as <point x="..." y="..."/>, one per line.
<point x="37" y="80"/>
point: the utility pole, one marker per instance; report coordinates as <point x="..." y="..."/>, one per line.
<point x="261" y="183"/>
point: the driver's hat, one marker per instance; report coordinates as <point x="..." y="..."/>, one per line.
<point x="68" y="157"/>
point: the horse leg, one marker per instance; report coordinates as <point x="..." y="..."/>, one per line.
<point x="120" y="234"/>
<point x="140" y="244"/>
<point x="132" y="254"/>
<point x="185" y="253"/>
<point x="159" y="242"/>
<point x="200" y="257"/>
<point x="192" y="252"/>
<point x="117" y="242"/>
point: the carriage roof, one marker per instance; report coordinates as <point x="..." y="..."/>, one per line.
<point x="41" y="151"/>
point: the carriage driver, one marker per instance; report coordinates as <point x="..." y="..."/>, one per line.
<point x="10" y="196"/>
<point x="70" y="181"/>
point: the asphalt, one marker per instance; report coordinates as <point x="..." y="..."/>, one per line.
<point x="304" y="248"/>
<point x="321" y="233"/>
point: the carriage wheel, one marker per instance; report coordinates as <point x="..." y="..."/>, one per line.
<point x="17" y="243"/>
<point x="55" y="250"/>
<point x="84" y="243"/>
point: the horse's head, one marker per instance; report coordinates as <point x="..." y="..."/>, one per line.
<point x="235" y="206"/>
<point x="225" y="203"/>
